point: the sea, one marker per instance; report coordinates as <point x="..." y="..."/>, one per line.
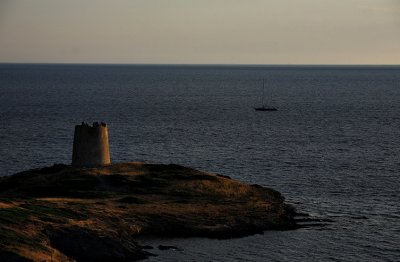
<point x="332" y="148"/>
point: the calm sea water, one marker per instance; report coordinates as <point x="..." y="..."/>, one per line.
<point x="333" y="148"/>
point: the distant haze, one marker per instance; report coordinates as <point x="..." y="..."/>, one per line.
<point x="200" y="31"/>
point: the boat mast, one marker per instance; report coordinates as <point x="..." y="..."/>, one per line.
<point x="263" y="104"/>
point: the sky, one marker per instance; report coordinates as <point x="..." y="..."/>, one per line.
<point x="200" y="31"/>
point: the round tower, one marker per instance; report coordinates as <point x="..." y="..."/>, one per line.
<point x="91" y="147"/>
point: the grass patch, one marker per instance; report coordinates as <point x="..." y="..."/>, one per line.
<point x="150" y="180"/>
<point x="52" y="211"/>
<point x="131" y="200"/>
<point x="13" y="215"/>
<point x="10" y="238"/>
<point x="6" y="200"/>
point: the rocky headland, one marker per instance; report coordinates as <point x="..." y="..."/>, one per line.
<point x="64" y="213"/>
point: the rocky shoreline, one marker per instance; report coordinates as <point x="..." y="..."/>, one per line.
<point x="62" y="213"/>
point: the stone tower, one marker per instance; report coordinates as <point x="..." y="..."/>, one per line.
<point x="91" y="147"/>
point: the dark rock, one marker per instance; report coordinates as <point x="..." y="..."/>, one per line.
<point x="162" y="247"/>
<point x="131" y="200"/>
<point x="227" y="177"/>
<point x="6" y="256"/>
<point x="302" y="214"/>
<point x="85" y="245"/>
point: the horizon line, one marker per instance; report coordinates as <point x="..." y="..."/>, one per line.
<point x="186" y="64"/>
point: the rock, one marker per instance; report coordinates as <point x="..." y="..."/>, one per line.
<point x="82" y="244"/>
<point x="6" y="256"/>
<point x="162" y="247"/>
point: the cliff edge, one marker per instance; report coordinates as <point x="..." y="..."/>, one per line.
<point x="64" y="213"/>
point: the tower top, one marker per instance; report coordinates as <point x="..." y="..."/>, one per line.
<point x="95" y="124"/>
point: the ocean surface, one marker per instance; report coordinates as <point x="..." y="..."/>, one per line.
<point x="332" y="149"/>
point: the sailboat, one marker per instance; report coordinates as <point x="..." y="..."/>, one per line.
<point x="264" y="108"/>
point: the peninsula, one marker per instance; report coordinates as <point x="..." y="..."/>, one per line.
<point x="66" y="213"/>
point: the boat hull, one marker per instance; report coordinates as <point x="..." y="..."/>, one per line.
<point x="266" y="109"/>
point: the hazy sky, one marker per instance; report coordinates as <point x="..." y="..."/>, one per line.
<point x="201" y="31"/>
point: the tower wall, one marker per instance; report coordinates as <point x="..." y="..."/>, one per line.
<point x="91" y="147"/>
